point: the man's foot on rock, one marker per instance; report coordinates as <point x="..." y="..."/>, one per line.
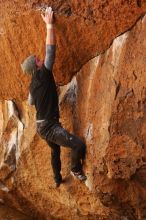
<point x="57" y="183"/>
<point x="79" y="175"/>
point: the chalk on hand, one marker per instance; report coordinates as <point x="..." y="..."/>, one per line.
<point x="48" y="9"/>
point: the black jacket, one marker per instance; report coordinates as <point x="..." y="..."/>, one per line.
<point x="44" y="93"/>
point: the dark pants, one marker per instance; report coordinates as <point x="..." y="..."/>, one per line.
<point x="57" y="136"/>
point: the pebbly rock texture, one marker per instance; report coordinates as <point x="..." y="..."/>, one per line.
<point x="11" y="214"/>
<point x="104" y="103"/>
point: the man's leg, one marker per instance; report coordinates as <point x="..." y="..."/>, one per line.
<point x="55" y="162"/>
<point x="60" y="136"/>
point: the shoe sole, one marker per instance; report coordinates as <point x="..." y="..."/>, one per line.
<point x="75" y="177"/>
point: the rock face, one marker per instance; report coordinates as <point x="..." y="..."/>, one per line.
<point x="11" y="214"/>
<point x="84" y="30"/>
<point x="101" y="59"/>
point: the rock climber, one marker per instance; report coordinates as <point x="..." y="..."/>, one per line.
<point x="43" y="95"/>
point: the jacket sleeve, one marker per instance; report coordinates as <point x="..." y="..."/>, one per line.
<point x="50" y="56"/>
<point x="30" y="99"/>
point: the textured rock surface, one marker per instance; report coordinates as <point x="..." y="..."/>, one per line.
<point x="11" y="214"/>
<point x="105" y="104"/>
<point x="84" y="30"/>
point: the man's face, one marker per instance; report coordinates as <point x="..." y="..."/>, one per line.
<point x="39" y="63"/>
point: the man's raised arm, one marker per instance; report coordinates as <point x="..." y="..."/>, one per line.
<point x="50" y="39"/>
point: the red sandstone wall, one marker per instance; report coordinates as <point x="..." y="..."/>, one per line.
<point x="84" y="30"/>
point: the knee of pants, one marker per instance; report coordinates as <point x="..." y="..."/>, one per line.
<point x="82" y="148"/>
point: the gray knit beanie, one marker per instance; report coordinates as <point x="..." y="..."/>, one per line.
<point x="29" y="65"/>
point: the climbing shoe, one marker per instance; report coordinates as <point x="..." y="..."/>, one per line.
<point x="79" y="175"/>
<point x="57" y="183"/>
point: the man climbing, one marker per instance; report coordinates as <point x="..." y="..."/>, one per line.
<point x="43" y="95"/>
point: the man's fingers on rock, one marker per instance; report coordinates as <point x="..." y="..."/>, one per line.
<point x="49" y="9"/>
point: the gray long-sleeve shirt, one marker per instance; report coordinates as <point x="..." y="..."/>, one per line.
<point x="50" y="56"/>
<point x="49" y="61"/>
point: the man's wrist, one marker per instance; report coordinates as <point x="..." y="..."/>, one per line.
<point x="49" y="26"/>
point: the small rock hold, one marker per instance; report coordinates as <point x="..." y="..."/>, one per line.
<point x="66" y="11"/>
